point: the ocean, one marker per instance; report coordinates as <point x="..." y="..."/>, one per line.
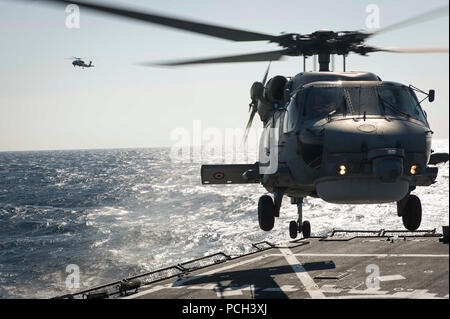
<point x="120" y="212"/>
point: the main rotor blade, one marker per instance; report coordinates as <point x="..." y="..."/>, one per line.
<point x="267" y="73"/>
<point x="249" y="125"/>
<point x="203" y="28"/>
<point x="412" y="50"/>
<point x="253" y="57"/>
<point x="428" y="16"/>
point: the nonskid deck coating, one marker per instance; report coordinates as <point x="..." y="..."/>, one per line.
<point x="351" y="267"/>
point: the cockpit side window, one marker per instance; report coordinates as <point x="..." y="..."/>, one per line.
<point x="418" y="109"/>
<point x="401" y="99"/>
<point x="292" y="114"/>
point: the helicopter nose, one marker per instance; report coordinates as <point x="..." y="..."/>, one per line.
<point x="388" y="169"/>
<point x="388" y="146"/>
<point x="370" y="161"/>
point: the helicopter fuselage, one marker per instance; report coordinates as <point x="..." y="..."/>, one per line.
<point x="82" y="64"/>
<point x="344" y="142"/>
<point x="347" y="138"/>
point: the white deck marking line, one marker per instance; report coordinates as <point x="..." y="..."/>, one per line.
<point x="146" y="292"/>
<point x="417" y="294"/>
<point x="367" y="255"/>
<point x="391" y="277"/>
<point x="310" y="286"/>
<point x="179" y="283"/>
<point x="283" y="288"/>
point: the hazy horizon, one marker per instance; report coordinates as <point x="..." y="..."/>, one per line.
<point x="127" y="148"/>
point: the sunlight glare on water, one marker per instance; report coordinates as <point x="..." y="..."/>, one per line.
<point x="117" y="213"/>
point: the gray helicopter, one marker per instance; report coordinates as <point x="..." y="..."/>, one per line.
<point x="79" y="62"/>
<point x="344" y="137"/>
<point x="347" y="138"/>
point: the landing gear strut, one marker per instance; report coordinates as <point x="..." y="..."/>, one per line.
<point x="410" y="209"/>
<point x="268" y="209"/>
<point x="299" y="226"/>
<point x="278" y="198"/>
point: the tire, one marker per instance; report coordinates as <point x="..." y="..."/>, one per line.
<point x="306" y="229"/>
<point x="412" y="214"/>
<point x="266" y="213"/>
<point x="401" y="205"/>
<point x="293" y="229"/>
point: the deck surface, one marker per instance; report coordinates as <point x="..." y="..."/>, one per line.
<point x="350" y="267"/>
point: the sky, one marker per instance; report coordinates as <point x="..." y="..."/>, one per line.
<point x="47" y="104"/>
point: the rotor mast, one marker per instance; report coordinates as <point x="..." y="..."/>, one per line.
<point x="324" y="62"/>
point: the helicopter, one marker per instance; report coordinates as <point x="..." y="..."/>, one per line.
<point x="79" y="62"/>
<point x="343" y="137"/>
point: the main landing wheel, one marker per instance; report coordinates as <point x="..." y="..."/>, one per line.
<point x="412" y="213"/>
<point x="295" y="229"/>
<point x="266" y="213"/>
<point x="306" y="229"/>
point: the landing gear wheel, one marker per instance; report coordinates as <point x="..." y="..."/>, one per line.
<point x="293" y="229"/>
<point x="306" y="229"/>
<point x="412" y="213"/>
<point x="266" y="213"/>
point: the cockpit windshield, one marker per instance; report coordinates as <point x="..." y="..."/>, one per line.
<point x="400" y="100"/>
<point x="325" y="101"/>
<point x="322" y="101"/>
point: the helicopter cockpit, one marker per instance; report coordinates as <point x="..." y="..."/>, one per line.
<point x="334" y="100"/>
<point x="403" y="100"/>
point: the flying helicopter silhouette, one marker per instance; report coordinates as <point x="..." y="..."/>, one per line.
<point x="79" y="62"/>
<point x="344" y="137"/>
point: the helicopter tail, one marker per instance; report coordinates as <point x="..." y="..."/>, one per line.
<point x="230" y="174"/>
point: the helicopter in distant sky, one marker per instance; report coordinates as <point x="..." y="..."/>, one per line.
<point x="344" y="137"/>
<point x="79" y="62"/>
